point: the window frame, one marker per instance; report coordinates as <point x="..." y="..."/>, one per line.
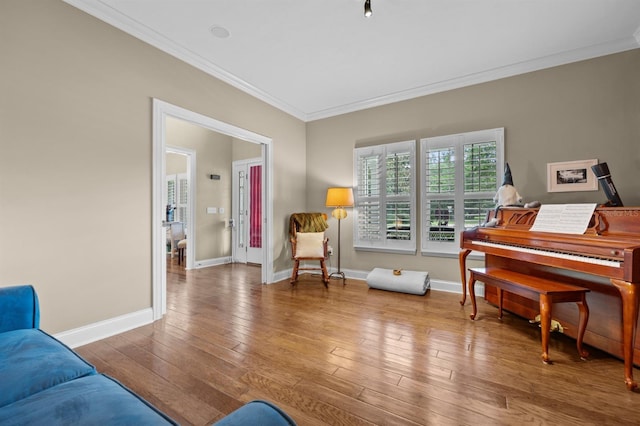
<point x="458" y="141"/>
<point x="384" y="244"/>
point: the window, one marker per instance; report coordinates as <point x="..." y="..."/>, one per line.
<point x="384" y="213"/>
<point x="177" y="197"/>
<point x="460" y="175"/>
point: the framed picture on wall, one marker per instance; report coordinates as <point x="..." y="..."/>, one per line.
<point x="571" y="176"/>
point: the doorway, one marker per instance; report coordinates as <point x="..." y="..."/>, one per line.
<point x="247" y="211"/>
<point x="179" y="194"/>
<point x="161" y="111"/>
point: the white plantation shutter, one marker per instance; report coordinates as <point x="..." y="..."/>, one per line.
<point x="460" y="176"/>
<point x="368" y="222"/>
<point x="182" y="198"/>
<point x="170" y="193"/>
<point x="178" y="196"/>
<point x="171" y="190"/>
<point x="385" y="197"/>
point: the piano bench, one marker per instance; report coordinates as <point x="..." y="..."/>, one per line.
<point x="545" y="291"/>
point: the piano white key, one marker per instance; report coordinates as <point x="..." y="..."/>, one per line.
<point x="559" y="255"/>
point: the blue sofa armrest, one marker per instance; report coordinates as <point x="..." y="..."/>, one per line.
<point x="257" y="412"/>
<point x="19" y="308"/>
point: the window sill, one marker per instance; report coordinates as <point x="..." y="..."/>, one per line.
<point x="449" y="254"/>
<point x="386" y="250"/>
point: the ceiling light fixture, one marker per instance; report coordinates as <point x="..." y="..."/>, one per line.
<point x="219" y="32"/>
<point x="367" y="8"/>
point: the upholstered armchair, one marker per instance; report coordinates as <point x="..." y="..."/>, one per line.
<point x="308" y="243"/>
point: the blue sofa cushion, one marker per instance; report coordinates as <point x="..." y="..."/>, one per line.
<point x="92" y="400"/>
<point x="18" y="308"/>
<point x="257" y="413"/>
<point x="32" y="361"/>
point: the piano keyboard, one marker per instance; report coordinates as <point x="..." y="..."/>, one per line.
<point x="559" y="255"/>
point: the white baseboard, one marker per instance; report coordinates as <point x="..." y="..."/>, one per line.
<point x="110" y="327"/>
<point x="438" y="285"/>
<point x="103" y="329"/>
<point x="212" y="262"/>
<point x="282" y="275"/>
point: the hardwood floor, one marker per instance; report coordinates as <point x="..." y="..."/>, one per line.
<point x="353" y="356"/>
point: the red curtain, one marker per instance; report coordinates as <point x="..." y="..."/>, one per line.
<point x="255" y="215"/>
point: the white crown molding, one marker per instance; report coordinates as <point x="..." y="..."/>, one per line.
<point x="140" y="31"/>
<point x="111" y="16"/>
<point x="563" y="58"/>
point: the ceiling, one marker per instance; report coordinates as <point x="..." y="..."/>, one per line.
<point x="317" y="59"/>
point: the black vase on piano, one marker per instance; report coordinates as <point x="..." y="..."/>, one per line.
<point x="604" y="177"/>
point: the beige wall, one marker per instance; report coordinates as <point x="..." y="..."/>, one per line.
<point x="243" y="150"/>
<point x="579" y="111"/>
<point x="75" y="163"/>
<point x="175" y="164"/>
<point x="75" y="143"/>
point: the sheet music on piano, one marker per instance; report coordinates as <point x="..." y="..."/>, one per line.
<point x="563" y="218"/>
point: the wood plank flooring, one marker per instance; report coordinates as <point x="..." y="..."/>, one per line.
<point x="348" y="355"/>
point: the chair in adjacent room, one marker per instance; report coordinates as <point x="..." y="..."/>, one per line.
<point x="178" y="240"/>
<point x="308" y="243"/>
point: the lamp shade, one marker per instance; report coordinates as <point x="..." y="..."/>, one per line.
<point x="339" y="197"/>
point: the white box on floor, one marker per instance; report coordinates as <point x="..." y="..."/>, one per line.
<point x="413" y="282"/>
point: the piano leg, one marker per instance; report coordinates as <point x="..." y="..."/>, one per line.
<point x="462" y="258"/>
<point x="472" y="296"/>
<point x="630" y="299"/>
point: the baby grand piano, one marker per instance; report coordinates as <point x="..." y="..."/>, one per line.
<point x="605" y="259"/>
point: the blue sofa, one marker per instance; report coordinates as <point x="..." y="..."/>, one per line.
<point x="42" y="381"/>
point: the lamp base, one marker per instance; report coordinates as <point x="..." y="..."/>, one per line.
<point x="339" y="275"/>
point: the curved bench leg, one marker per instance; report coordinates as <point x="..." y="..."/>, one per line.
<point x="582" y="326"/>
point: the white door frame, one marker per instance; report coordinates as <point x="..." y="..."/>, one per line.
<point x="162" y="110"/>
<point x="239" y="256"/>
<point x="235" y="201"/>
<point x="191" y="200"/>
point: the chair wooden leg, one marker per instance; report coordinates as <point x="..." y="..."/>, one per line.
<point x="325" y="274"/>
<point x="294" y="274"/>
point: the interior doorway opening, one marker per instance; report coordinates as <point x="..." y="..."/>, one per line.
<point x="161" y="111"/>
<point x="247" y="211"/>
<point x="179" y="200"/>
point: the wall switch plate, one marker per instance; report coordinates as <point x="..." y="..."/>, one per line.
<point x="212" y="210"/>
<point x="221" y="210"/>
